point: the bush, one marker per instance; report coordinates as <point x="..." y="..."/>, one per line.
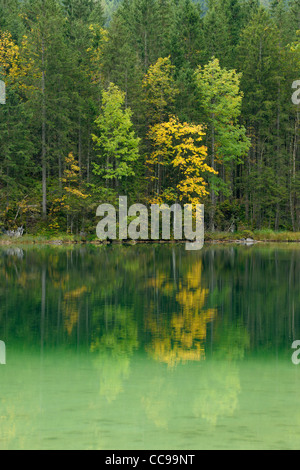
<point x="247" y="234"/>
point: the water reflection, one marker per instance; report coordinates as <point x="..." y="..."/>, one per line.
<point x="176" y="306"/>
<point x="147" y="346"/>
<point x="17" y="252"/>
<point x="181" y="336"/>
<point x="219" y="393"/>
<point x="113" y="344"/>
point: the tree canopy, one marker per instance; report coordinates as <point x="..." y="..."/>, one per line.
<point x="157" y="99"/>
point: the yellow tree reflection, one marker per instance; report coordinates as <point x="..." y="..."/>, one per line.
<point x="182" y="338"/>
<point x="71" y="307"/>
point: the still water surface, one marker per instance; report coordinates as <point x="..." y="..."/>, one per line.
<point x="150" y="347"/>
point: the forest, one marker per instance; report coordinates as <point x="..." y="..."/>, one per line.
<point x="163" y="101"/>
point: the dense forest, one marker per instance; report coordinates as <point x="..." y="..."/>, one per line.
<point x="160" y="100"/>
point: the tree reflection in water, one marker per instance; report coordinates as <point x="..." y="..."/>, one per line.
<point x="181" y="337"/>
<point x="143" y="334"/>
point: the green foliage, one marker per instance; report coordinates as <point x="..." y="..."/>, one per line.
<point x="116" y="142"/>
<point x="227" y="142"/>
<point x="58" y="59"/>
<point x="160" y="91"/>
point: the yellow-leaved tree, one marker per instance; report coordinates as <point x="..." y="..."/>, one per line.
<point x="160" y="90"/>
<point x="72" y="203"/>
<point x="99" y="38"/>
<point x="178" y="164"/>
<point x="9" y="56"/>
<point x="15" y="64"/>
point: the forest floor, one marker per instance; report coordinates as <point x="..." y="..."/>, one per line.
<point x="243" y="237"/>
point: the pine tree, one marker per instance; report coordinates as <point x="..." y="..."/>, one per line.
<point x="227" y="143"/>
<point x="262" y="84"/>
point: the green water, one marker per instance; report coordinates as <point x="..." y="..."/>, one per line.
<point x="150" y="347"/>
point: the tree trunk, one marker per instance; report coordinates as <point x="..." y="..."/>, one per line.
<point x="44" y="160"/>
<point x="213" y="195"/>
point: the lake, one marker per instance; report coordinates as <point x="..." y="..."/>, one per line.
<point x="150" y="347"/>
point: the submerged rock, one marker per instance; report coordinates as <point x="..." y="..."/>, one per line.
<point x="56" y="242"/>
<point x="247" y="241"/>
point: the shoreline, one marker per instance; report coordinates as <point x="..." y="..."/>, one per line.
<point x="224" y="238"/>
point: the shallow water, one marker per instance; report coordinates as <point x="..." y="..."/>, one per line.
<point x="149" y="347"/>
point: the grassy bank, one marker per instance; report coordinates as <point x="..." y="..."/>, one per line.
<point x="257" y="235"/>
<point x="63" y="239"/>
